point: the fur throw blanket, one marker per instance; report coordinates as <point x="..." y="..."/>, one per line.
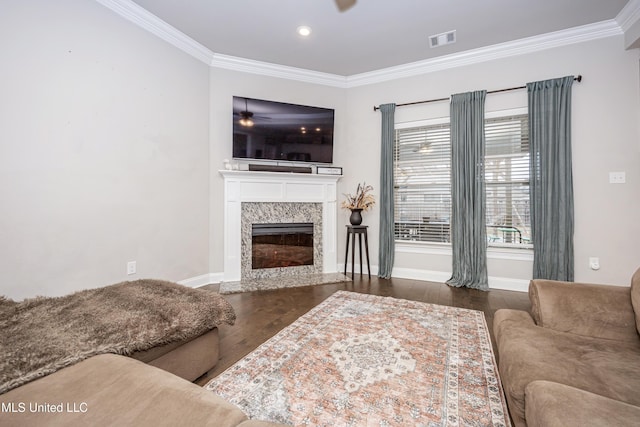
<point x="42" y="335"/>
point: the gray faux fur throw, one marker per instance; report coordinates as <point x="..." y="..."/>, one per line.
<point x="42" y="335"/>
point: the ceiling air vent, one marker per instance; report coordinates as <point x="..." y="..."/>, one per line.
<point x="442" y="39"/>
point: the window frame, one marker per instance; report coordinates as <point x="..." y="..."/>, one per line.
<point x="495" y="250"/>
<point x="496" y="115"/>
<point x="417" y="124"/>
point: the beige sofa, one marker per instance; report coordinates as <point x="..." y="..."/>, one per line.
<point x="186" y="359"/>
<point x="161" y="323"/>
<point x="113" y="390"/>
<point x="576" y="360"/>
<point x="81" y="386"/>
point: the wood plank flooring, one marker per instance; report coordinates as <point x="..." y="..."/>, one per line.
<point x="262" y="314"/>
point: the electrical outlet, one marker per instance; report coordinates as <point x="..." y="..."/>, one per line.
<point x="617" y="178"/>
<point x="594" y="263"/>
<point x="131" y="267"/>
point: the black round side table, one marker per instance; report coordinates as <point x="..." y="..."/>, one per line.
<point x="353" y="230"/>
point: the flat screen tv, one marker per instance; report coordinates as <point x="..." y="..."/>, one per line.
<point x="277" y="131"/>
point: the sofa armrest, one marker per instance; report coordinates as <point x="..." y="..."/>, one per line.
<point x="117" y="391"/>
<point x="599" y="311"/>
<point x="550" y="404"/>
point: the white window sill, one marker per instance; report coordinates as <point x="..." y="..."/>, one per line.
<point x="494" y="251"/>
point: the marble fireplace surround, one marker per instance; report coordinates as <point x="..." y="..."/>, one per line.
<point x="277" y="187"/>
<point x="279" y="212"/>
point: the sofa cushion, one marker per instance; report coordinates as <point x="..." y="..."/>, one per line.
<point x="591" y="310"/>
<point x="528" y="352"/>
<point x="188" y="360"/>
<point x="116" y="390"/>
<point x="551" y="404"/>
<point x="635" y="297"/>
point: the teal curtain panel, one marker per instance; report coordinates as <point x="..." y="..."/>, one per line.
<point x="387" y="238"/>
<point x="551" y="186"/>
<point x="468" y="231"/>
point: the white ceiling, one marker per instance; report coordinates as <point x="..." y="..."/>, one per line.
<point x="374" y="34"/>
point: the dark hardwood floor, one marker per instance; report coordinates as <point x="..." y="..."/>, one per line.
<point x="262" y="314"/>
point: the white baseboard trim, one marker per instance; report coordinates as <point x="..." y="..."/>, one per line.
<point x="502" y="283"/>
<point x="508" y="284"/>
<point x="216" y="277"/>
<point x="205" y="279"/>
<point x="418" y="274"/>
<point x="356" y="268"/>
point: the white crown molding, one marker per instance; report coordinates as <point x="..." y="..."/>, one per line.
<point x="156" y="26"/>
<point x="274" y="70"/>
<point x="502" y="50"/>
<point x="146" y="20"/>
<point x="629" y="15"/>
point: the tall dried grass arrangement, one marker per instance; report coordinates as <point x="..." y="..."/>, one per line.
<point x="363" y="199"/>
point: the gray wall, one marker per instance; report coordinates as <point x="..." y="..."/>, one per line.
<point x="103" y="151"/>
<point x="605" y="139"/>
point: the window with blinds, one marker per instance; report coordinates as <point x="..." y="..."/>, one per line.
<point x="423" y="183"/>
<point x="422" y="177"/>
<point x="507" y="180"/>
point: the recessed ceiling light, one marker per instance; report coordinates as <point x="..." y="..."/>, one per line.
<point x="304" y="31"/>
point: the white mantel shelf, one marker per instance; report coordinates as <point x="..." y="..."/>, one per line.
<point x="254" y="186"/>
<point x="278" y="176"/>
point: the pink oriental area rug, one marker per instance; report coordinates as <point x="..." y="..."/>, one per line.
<point x="364" y="360"/>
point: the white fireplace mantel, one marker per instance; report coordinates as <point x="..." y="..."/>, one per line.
<point x="251" y="186"/>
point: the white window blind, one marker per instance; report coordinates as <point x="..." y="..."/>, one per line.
<point x="423" y="182"/>
<point x="507" y="180"/>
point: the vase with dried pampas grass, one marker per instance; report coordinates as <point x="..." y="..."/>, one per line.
<point x="362" y="200"/>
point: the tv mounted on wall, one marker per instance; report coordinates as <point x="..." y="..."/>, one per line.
<point x="277" y="131"/>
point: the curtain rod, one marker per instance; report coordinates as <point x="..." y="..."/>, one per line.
<point x="376" y="108"/>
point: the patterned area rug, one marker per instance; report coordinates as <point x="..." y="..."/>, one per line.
<point x="359" y="360"/>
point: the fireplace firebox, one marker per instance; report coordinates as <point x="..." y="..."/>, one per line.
<point x="281" y="245"/>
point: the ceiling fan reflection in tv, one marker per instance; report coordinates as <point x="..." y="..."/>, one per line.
<point x="282" y="132"/>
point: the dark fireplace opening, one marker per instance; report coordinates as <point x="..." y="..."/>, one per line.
<point x="281" y="245"/>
